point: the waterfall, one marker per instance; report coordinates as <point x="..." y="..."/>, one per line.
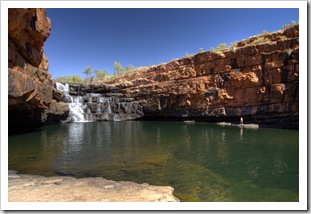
<point x="89" y="106"/>
<point x="76" y="112"/>
<point x="75" y="103"/>
<point x="63" y="88"/>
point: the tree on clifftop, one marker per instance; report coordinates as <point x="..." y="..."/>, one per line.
<point x="220" y="47"/>
<point x="118" y="70"/>
<point x="70" y="79"/>
<point x="201" y="50"/>
<point x="87" y="70"/>
<point x="129" y="67"/>
<point x="101" y="74"/>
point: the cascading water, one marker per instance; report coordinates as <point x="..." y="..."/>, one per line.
<point x="76" y="110"/>
<point x="65" y="89"/>
<point x="87" y="107"/>
<point x="75" y="103"/>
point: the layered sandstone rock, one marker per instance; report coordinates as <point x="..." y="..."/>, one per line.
<point x="256" y="80"/>
<point x="30" y="86"/>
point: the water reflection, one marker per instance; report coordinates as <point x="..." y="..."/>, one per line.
<point x="222" y="152"/>
<point x="187" y="137"/>
<point x="73" y="142"/>
<point x="279" y="164"/>
<point x="206" y="161"/>
<point x="241" y="133"/>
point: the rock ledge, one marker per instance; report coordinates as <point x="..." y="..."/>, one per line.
<point x="35" y="188"/>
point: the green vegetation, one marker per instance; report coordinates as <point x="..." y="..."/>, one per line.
<point x="261" y="37"/>
<point x="288" y="25"/>
<point x="259" y="40"/>
<point x="110" y="77"/>
<point x="187" y="55"/>
<point x="129" y="68"/>
<point x="88" y="71"/>
<point x="201" y="50"/>
<point x="233" y="46"/>
<point x="101" y="74"/>
<point x="220" y="47"/>
<point x="70" y="79"/>
<point x="118" y="69"/>
<point x="285" y="26"/>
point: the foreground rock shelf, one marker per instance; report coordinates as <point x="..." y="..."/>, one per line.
<point x="35" y="188"/>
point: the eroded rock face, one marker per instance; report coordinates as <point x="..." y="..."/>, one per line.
<point x="259" y="82"/>
<point x="30" y="86"/>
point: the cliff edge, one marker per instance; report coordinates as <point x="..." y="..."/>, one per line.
<point x="32" y="96"/>
<point x="257" y="79"/>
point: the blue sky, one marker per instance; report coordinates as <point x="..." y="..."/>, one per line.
<point x="99" y="37"/>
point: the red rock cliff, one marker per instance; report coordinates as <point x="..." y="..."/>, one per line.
<point x="30" y="87"/>
<point x="256" y="80"/>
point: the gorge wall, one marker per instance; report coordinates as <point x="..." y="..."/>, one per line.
<point x="32" y="98"/>
<point x="256" y="80"/>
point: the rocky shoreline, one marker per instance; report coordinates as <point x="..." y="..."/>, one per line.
<point x="36" y="188"/>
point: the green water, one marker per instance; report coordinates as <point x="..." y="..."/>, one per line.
<point x="203" y="162"/>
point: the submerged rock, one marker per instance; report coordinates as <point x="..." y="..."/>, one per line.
<point x="35" y="188"/>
